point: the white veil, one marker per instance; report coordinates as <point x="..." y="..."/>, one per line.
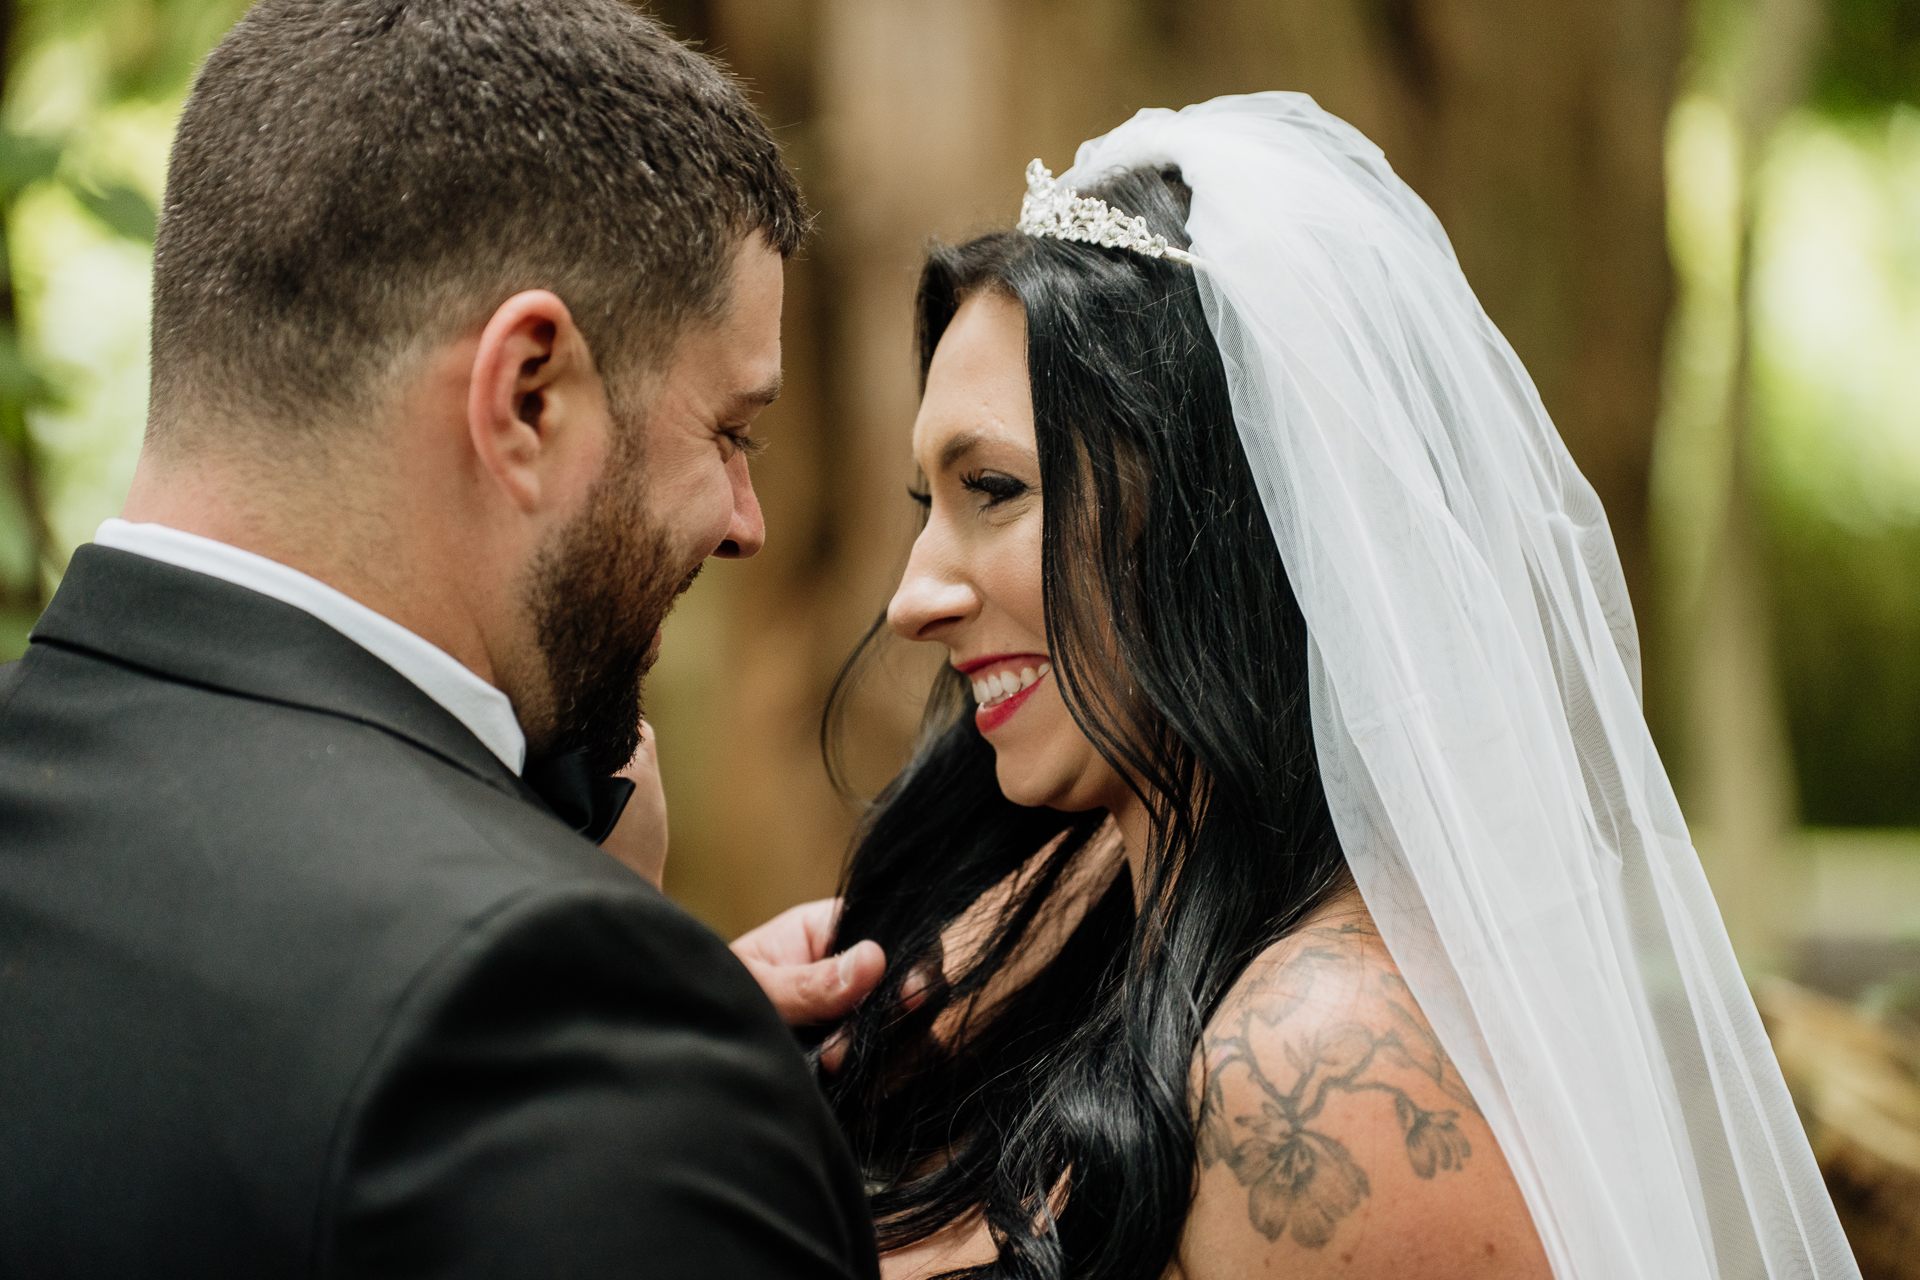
<point x="1475" y="678"/>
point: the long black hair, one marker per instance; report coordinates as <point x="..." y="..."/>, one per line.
<point x="1045" y="1078"/>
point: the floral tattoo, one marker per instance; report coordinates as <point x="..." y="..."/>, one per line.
<point x="1302" y="1182"/>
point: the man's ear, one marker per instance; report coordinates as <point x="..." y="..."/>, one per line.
<point x="529" y="374"/>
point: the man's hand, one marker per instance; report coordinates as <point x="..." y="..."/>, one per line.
<point x="788" y="957"/>
<point x="639" y="839"/>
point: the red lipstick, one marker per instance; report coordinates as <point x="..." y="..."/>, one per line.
<point x="990" y="718"/>
<point x="1001" y="684"/>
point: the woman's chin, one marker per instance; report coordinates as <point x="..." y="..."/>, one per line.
<point x="1037" y="788"/>
<point x="1019" y="793"/>
<point x="1022" y="786"/>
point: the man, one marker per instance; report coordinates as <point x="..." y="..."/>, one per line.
<point x="463" y="310"/>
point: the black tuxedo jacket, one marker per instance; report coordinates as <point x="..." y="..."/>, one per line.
<point x="296" y="979"/>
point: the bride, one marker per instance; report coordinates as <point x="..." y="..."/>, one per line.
<point x="1285" y="882"/>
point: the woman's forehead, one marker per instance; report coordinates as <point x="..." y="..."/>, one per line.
<point x="977" y="393"/>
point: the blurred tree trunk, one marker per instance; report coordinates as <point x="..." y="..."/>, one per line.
<point x="1535" y="131"/>
<point x="1739" y="762"/>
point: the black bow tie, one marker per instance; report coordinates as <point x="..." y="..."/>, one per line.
<point x="588" y="804"/>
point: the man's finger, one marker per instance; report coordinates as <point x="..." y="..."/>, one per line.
<point x="821" y="918"/>
<point x="834" y="1051"/>
<point x="825" y="991"/>
<point x="914" y="991"/>
<point x="798" y="935"/>
<point x="861" y="967"/>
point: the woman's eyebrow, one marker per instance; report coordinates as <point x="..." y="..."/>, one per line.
<point x="959" y="447"/>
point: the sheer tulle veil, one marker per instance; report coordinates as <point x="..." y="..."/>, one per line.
<point x="1476" y="703"/>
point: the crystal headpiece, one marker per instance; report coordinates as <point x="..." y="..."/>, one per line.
<point x="1050" y="209"/>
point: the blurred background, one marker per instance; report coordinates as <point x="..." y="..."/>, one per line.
<point x="1698" y="224"/>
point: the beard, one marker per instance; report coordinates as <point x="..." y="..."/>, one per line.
<point x="600" y="589"/>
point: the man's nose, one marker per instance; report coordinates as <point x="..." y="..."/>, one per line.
<point x="747" y="530"/>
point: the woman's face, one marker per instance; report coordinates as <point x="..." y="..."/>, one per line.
<point x="973" y="583"/>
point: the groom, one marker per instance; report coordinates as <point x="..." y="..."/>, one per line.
<point x="463" y="310"/>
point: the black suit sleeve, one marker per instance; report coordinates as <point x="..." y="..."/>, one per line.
<point x="593" y="1088"/>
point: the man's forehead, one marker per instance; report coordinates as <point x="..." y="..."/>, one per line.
<point x="731" y="366"/>
<point x="749" y="333"/>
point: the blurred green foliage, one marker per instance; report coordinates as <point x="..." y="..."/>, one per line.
<point x="80" y="159"/>
<point x="138" y="49"/>
<point x="1833" y="366"/>
<point x="1836" y="393"/>
<point x="1849" y="612"/>
<point x="1871" y="58"/>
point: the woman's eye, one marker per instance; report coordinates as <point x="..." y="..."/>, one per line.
<point x="921" y="496"/>
<point x="992" y="485"/>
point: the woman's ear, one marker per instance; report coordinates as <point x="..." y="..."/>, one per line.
<point x="524" y="398"/>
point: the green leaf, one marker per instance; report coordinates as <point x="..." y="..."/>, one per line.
<point x="22" y="387"/>
<point x="19" y="550"/>
<point x="25" y="160"/>
<point x="1871" y="56"/>
<point x="127" y="211"/>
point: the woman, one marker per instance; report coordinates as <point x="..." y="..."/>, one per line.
<point x="1286" y="882"/>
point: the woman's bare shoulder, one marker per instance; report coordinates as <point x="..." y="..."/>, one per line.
<point x="1335" y="1135"/>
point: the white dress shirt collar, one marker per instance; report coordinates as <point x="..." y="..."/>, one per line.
<point x="475" y="703"/>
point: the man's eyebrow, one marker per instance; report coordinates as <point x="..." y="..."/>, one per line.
<point x="761" y="396"/>
<point x="959" y="447"/>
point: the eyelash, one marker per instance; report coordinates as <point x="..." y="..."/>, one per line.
<point x="744" y="443"/>
<point x="995" y="488"/>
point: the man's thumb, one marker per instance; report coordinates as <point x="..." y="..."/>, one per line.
<point x="825" y="991"/>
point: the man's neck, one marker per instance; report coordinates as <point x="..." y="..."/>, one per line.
<point x="337" y="528"/>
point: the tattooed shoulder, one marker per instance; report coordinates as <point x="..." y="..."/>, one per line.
<point x="1326" y="1107"/>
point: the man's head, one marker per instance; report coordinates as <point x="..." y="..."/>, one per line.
<point x="600" y="584"/>
<point x="354" y="181"/>
<point x="464" y="306"/>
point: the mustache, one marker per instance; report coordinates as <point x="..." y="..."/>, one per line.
<point x="686" y="583"/>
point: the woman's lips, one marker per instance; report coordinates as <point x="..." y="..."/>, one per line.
<point x="1002" y="688"/>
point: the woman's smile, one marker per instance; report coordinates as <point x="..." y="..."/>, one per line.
<point x="1002" y="683"/>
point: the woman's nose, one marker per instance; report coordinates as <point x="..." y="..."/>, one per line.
<point x="931" y="599"/>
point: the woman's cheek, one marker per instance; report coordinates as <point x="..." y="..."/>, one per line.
<point x="1030" y="603"/>
<point x="1047" y="763"/>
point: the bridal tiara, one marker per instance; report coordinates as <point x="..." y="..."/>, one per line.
<point x="1051" y="209"/>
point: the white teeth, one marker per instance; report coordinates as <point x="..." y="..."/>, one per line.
<point x="1004" y="684"/>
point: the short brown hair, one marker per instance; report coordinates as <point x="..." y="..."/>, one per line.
<point x="354" y="177"/>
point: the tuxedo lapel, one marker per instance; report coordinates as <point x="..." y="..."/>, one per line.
<point x="187" y="626"/>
